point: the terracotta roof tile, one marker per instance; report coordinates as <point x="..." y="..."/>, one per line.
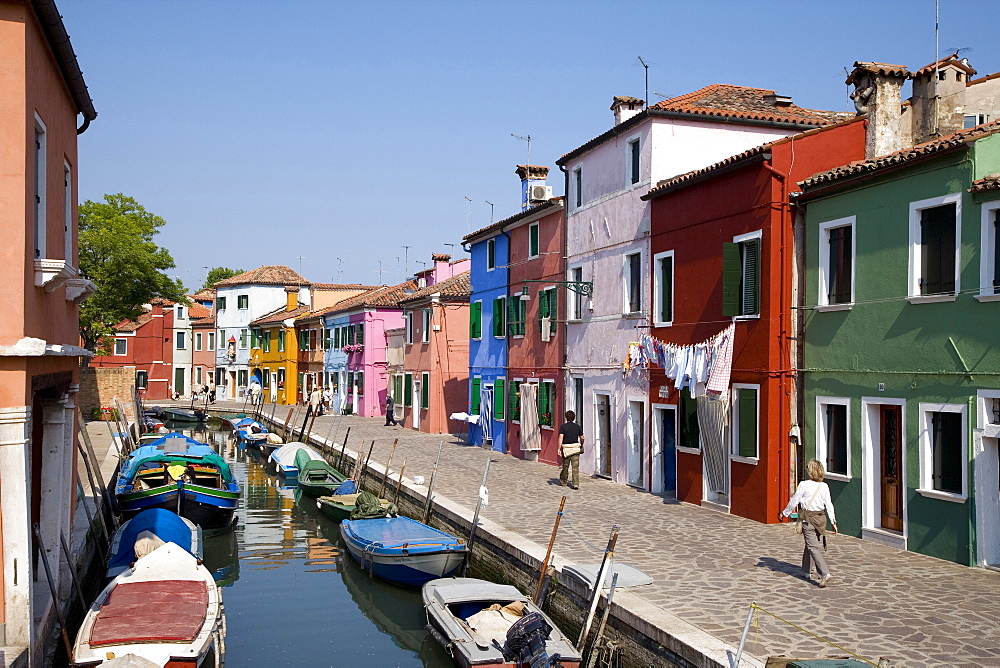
<point x="984" y="79"/>
<point x="531" y="171"/>
<point x="280" y="315"/>
<point x="386" y="296"/>
<point x="478" y="235"/>
<point x="455" y="288"/>
<point x="989" y="183"/>
<point x="862" y="167"/>
<point x="273" y="274"/>
<point x="950" y="59"/>
<point x="440" y="257"/>
<point x="207" y="293"/>
<point x="729" y="101"/>
<point x="197" y="311"/>
<point x="343" y="286"/>
<point x="884" y="69"/>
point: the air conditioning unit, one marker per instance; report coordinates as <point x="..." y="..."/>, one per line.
<point x="539" y="193"/>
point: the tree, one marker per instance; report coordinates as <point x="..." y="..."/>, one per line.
<point x="219" y="274"/>
<point x="117" y="253"/>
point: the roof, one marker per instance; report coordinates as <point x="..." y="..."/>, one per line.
<point x="343" y="286"/>
<point x="197" y="311"/>
<point x="133" y="325"/>
<point x="55" y="32"/>
<point x="538" y="209"/>
<point x="456" y="288"/>
<point x="885" y="69"/>
<point x="984" y="79"/>
<point x="386" y="296"/>
<point x="866" y="167"/>
<point x="440" y="257"/>
<point x="272" y="274"/>
<point x="280" y="315"/>
<point x="950" y="59"/>
<point x="205" y="294"/>
<point x="986" y="184"/>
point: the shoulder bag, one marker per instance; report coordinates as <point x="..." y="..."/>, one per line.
<point x="800" y="525"/>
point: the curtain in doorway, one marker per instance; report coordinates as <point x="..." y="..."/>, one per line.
<point x="531" y="432"/>
<point x="713" y="424"/>
<point x="486" y="414"/>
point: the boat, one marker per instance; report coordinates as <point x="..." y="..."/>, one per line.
<point x="338" y="507"/>
<point x="483" y="623"/>
<point x="166" y="610"/>
<point x="249" y="432"/>
<point x="134" y="536"/>
<point x="284" y="458"/>
<point x="403" y="550"/>
<point x="174" y="414"/>
<point x="316" y="476"/>
<point x="180" y="474"/>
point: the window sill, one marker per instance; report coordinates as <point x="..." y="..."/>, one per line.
<point x="988" y="298"/>
<point x="751" y="316"/>
<point x="942" y="496"/>
<point x="690" y="451"/>
<point x="823" y="308"/>
<point x="545" y="426"/>
<point x="743" y="460"/>
<point x="663" y="324"/>
<point x="838" y="476"/>
<point x="930" y="299"/>
<point x="634" y="315"/>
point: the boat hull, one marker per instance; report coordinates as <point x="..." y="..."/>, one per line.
<point x="207" y="507"/>
<point x="409" y="553"/>
<point x="339" y="510"/>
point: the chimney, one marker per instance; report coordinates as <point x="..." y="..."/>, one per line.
<point x="776" y="100"/>
<point x="533" y="188"/>
<point x="938" y="102"/>
<point x="442" y="267"/>
<point x="877" y="89"/>
<point x="625" y="107"/>
<point x="291" y="297"/>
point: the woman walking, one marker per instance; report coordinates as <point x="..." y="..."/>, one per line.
<point x="813" y="499"/>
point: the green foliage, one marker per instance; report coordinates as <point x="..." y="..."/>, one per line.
<point x="219" y="274"/>
<point x="117" y="253"/>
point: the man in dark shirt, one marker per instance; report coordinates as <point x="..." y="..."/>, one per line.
<point x="390" y="411"/>
<point x="570" y="447"/>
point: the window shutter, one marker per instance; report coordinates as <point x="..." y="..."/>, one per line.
<point x="514" y="397"/>
<point x="543" y="307"/>
<point x="747" y="399"/>
<point x="731" y="272"/>
<point x="425" y="381"/>
<point x="553" y="311"/>
<point x="751" y="278"/>
<point x="522" y="316"/>
<point x="543" y="402"/>
<point x="360" y="338"/>
<point x="937" y="242"/>
<point x="667" y="289"/>
<point x="475" y="395"/>
<point x="498" y="319"/>
<point x="499" y="399"/>
<point x="477" y="320"/>
<point x="513" y="307"/>
<point x="408" y="390"/>
<point x="533" y="240"/>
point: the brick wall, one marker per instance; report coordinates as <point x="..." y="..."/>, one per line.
<point x="101" y="386"/>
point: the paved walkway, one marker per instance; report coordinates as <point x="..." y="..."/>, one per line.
<point x="709" y="566"/>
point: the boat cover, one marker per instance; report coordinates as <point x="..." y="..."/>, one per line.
<point x="164" y="524"/>
<point x="347" y="487"/>
<point x="397" y="531"/>
<point x="151" y="611"/>
<point x="367" y="506"/>
<point x="174" y="447"/>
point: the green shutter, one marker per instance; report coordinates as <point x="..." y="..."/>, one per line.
<point x="514" y="397"/>
<point x="512" y="310"/>
<point x="747" y="399"/>
<point x="553" y="311"/>
<point x="667" y="289"/>
<point x="303" y="340"/>
<point x="475" y="320"/>
<point x="475" y="395"/>
<point x="425" y="393"/>
<point x="751" y="278"/>
<point x="360" y="336"/>
<point x="731" y="272"/>
<point x="543" y="306"/>
<point x="543" y="404"/>
<point x="408" y="390"/>
<point x="533" y="240"/>
<point x="499" y="400"/>
<point x="498" y="320"/>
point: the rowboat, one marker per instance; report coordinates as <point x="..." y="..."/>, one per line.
<point x="171" y="414"/>
<point x="339" y="507"/>
<point x="482" y="623"/>
<point x="402" y="550"/>
<point x="151" y="527"/>
<point x="316" y="477"/>
<point x="165" y="610"/>
<point x="249" y="432"/>
<point x="180" y="474"/>
<point x="284" y="458"/>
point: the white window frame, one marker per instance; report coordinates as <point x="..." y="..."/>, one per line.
<point x="40" y="164"/>
<point x="425" y="334"/>
<point x="141" y="379"/>
<point x="179" y="312"/>
<point x="180" y="340"/>
<point x="197" y="341"/>
<point x="735" y="421"/>
<point x="114" y="350"/>
<point x="987" y="244"/>
<point x="741" y="239"/>
<point x="575" y="302"/>
<point x="913" y="284"/>
<point x="627" y="284"/>
<point x="823" y="297"/>
<point x="636" y="141"/>
<point x="552" y="408"/>
<point x="657" y="296"/>
<point x="211" y="341"/>
<point x="538" y="235"/>
<point x="244" y="339"/>
<point x="243" y="298"/>
<point x="926" y="455"/>
<point x="821" y="434"/>
<point x="491" y="264"/>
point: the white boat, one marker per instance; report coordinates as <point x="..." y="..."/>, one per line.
<point x="483" y="623"/>
<point x="158" y="525"/>
<point x="284" y="458"/>
<point x="166" y="610"/>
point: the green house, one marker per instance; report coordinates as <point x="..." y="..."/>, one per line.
<point x="901" y="357"/>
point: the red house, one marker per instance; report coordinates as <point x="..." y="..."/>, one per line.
<point x="724" y="254"/>
<point x="145" y="344"/>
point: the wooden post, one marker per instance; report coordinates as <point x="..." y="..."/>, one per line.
<point x="340" y="460"/>
<point x="52" y="590"/>
<point x="475" y="518"/>
<point x="399" y="484"/>
<point x="385" y="476"/>
<point x="288" y="418"/>
<point x="430" y="487"/>
<point x="592" y="656"/>
<point x="609" y="554"/>
<point x="548" y="552"/>
<point x="364" y="469"/>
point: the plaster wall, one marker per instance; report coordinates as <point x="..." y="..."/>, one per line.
<point x="445" y="357"/>
<point x="488" y="354"/>
<point x="262" y="299"/>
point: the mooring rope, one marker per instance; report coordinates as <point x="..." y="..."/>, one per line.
<point x="756" y="625"/>
<point x="566" y="514"/>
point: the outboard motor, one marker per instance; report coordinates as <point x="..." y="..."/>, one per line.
<point x="526" y="641"/>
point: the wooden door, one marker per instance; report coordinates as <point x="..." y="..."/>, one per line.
<point x="891" y="459"/>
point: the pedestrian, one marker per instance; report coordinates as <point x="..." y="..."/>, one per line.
<point x="327" y="399"/>
<point x="813" y="499"/>
<point x="390" y="411"/>
<point x="211" y="391"/>
<point x="570" y="447"/>
<point x="316" y="401"/>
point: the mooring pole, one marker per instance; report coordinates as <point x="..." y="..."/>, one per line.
<point x="430" y="488"/>
<point x="609" y="554"/>
<point x="385" y="477"/>
<point x="743" y="636"/>
<point x="475" y="518"/>
<point x="284" y="427"/>
<point x="399" y="484"/>
<point x="548" y="552"/>
<point x="592" y="656"/>
<point x="52" y="589"/>
<point x="364" y="468"/>
<point x="72" y="570"/>
<point x="340" y="460"/>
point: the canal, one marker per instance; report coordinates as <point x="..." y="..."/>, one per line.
<point x="293" y="595"/>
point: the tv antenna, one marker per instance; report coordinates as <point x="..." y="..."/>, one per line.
<point x="406" y="262"/>
<point x="468" y="216"/>
<point x="527" y="139"/>
<point x="645" y="66"/>
<point x="491" y="210"/>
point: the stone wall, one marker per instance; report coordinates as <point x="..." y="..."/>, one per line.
<point x="101" y="386"/>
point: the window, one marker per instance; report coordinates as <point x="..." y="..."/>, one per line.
<point x="475" y="320"/>
<point x="243" y="301"/>
<point x="633" y="283"/>
<point x="491" y="254"/>
<point x="516" y="314"/>
<point x="408" y="390"/>
<point x="198" y="375"/>
<point x="220" y="303"/>
<point x="741" y="276"/>
<point x="336" y="337"/>
<point x="359" y="334"/>
<point x="745" y="420"/>
<point x="359" y="379"/>
<point x="546" y="402"/>
<point x="836" y="262"/>
<point x="241" y="377"/>
<point x="989" y="266"/>
<point x="39" y="194"/>
<point x="933" y="265"/>
<point x="266" y="341"/>
<point x="141" y="379"/>
<point x="533" y="240"/>
<point x="211" y="340"/>
<point x="265" y="380"/>
<point x="181" y="340"/>
<point x="663" y="288"/>
<point x="514" y="400"/>
<point x="943" y="459"/>
<point x="425" y="389"/>
<point x="304" y="340"/>
<point x="972" y="120"/>
<point x="425" y="334"/>
<point x="632" y="168"/>
<point x="327" y="338"/>
<point x="197" y="340"/>
<point x="397" y="388"/>
<point x="575" y="298"/>
<point x="499" y="400"/>
<point x="281" y="378"/>
<point x="832" y="440"/>
<point x="475" y="398"/>
<point x="499" y="320"/>
<point x="243" y="338"/>
<point x="179" y="310"/>
<point x="409" y="326"/>
<point x="578" y="187"/>
<point x="690" y="433"/>
<point x="121" y="347"/>
<point x="67" y="213"/>
<point x="548" y="308"/>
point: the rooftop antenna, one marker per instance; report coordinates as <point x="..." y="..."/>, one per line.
<point x="645" y="102"/>
<point x="527" y="139"/>
<point x="468" y="216"/>
<point x="301" y="257"/>
<point x="340" y="271"/>
<point x="937" y="62"/>
<point x="452" y="249"/>
<point x="380" y="272"/>
<point x="491" y="210"/>
<point x="406" y="262"/>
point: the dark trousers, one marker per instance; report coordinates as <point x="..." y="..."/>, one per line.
<point x="390" y="417"/>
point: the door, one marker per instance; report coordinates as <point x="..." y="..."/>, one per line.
<point x="179" y="381"/>
<point x="665" y="457"/>
<point x="636" y="442"/>
<point x="274" y="387"/>
<point x="891" y="466"/>
<point x="415" y="408"/>
<point x="603" y="433"/>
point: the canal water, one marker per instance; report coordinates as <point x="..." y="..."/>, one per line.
<point x="293" y="595"/>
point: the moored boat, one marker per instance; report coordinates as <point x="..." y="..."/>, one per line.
<point x="483" y="623"/>
<point x="338" y="507"/>
<point x="148" y="530"/>
<point x="180" y="474"/>
<point x="284" y="458"/>
<point x="316" y="476"/>
<point x="165" y="610"/>
<point x="403" y="550"/>
<point x="174" y="414"/>
<point x="249" y="432"/>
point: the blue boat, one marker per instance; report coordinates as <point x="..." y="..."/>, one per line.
<point x="166" y="525"/>
<point x="249" y="432"/>
<point x="180" y="474"/>
<point x="403" y="550"/>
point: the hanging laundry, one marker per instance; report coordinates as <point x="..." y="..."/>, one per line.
<point x="722" y="366"/>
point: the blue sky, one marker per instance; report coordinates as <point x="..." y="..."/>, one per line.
<point x="343" y="131"/>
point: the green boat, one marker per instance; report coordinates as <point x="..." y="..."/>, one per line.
<point x="340" y="506"/>
<point x="316" y="477"/>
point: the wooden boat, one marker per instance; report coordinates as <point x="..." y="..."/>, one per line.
<point x="482" y="623"/>
<point x="284" y="458"/>
<point x="403" y="550"/>
<point x="166" y="610"/>
<point x="316" y="476"/>
<point x="249" y="432"/>
<point x="180" y="474"/>
<point x="338" y="507"/>
<point x="165" y="525"/>
<point x="174" y="414"/>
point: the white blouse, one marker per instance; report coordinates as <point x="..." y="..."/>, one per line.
<point x="805" y="491"/>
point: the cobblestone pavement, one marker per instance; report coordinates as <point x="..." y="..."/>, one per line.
<point x="708" y="566"/>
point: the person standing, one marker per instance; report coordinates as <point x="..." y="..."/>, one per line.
<point x="316" y="401"/>
<point x="390" y="411"/>
<point x="570" y="447"/>
<point x="211" y="391"/>
<point x="813" y="498"/>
